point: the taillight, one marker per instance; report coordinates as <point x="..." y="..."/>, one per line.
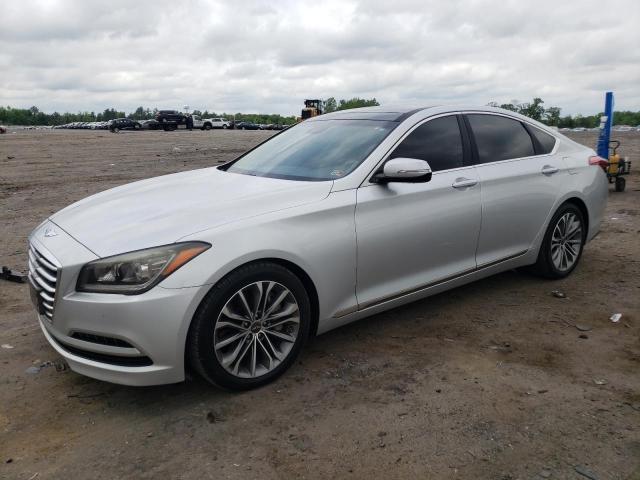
<point x="599" y="161"/>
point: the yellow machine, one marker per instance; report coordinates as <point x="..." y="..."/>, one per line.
<point x="617" y="166"/>
<point x="312" y="108"/>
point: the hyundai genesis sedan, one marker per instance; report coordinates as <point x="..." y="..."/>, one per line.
<point x="230" y="269"/>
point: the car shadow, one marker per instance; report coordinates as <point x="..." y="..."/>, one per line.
<point x="336" y="343"/>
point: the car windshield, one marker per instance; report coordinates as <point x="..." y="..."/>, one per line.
<point x="317" y="150"/>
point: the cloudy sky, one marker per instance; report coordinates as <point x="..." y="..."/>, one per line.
<point x="255" y="56"/>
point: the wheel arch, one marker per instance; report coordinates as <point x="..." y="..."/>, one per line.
<point x="294" y="268"/>
<point x="578" y="202"/>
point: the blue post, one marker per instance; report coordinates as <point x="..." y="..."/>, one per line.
<point x="606" y="122"/>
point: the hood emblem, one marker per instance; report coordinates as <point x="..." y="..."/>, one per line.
<point x="50" y="232"/>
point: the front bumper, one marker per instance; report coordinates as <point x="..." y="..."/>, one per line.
<point x="126" y="339"/>
<point x="152" y="329"/>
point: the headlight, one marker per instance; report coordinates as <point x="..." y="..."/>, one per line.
<point x="136" y="272"/>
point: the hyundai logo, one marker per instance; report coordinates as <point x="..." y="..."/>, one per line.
<point x="50" y="232"/>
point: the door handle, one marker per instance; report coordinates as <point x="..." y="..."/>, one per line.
<point x="463" y="182"/>
<point x="549" y="170"/>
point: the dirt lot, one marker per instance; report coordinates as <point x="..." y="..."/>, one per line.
<point x="491" y="380"/>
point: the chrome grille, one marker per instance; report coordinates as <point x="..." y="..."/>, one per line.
<point x="43" y="275"/>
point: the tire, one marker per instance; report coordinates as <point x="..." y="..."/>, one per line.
<point x="211" y="334"/>
<point x="207" y="126"/>
<point x="559" y="244"/>
<point x="224" y="127"/>
<point x="620" y="184"/>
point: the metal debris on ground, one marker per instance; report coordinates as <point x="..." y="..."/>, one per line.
<point x="10" y="276"/>
<point x="7" y="346"/>
<point x="600" y="382"/>
<point x="585" y="472"/>
<point x="558" y="294"/>
<point x="583" y="328"/>
<point x="615" y="318"/>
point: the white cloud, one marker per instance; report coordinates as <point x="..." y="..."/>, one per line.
<point x="256" y="56"/>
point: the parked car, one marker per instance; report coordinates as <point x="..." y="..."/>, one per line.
<point x="170" y="116"/>
<point x="201" y="124"/>
<point x="3" y="129"/>
<point x="340" y="217"/>
<point x="150" y="124"/>
<point x="247" y="126"/>
<point x="124" y="124"/>
<point x="218" y="123"/>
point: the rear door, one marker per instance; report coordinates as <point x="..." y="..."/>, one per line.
<point x="411" y="235"/>
<point x="521" y="179"/>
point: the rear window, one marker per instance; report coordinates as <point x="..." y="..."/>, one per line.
<point x="500" y="138"/>
<point x="546" y="142"/>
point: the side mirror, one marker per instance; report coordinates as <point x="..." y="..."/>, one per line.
<point x="407" y="170"/>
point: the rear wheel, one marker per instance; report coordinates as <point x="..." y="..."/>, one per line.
<point x="620" y="184"/>
<point x="207" y="126"/>
<point x="251" y="327"/>
<point x="563" y="243"/>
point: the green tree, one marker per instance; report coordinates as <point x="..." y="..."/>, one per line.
<point x="509" y="106"/>
<point x="533" y="110"/>
<point x="356" y="102"/>
<point x="552" y="116"/>
<point x="330" y="105"/>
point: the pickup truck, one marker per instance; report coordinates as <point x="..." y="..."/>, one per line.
<point x="172" y="120"/>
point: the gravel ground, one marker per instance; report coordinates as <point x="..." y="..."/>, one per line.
<point x="491" y="380"/>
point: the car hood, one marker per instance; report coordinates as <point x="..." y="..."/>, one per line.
<point x="165" y="209"/>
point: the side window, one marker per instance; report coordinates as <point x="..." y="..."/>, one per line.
<point x="436" y="141"/>
<point x="500" y="138"/>
<point x="546" y="141"/>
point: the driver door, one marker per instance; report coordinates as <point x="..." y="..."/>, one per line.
<point x="412" y="235"/>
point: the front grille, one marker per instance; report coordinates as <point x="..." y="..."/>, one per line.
<point x="43" y="275"/>
<point x="100" y="339"/>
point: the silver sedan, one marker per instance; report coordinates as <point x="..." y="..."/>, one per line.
<point x="230" y="269"/>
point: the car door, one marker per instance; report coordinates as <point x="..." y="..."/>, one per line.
<point x="521" y="180"/>
<point x="412" y="235"/>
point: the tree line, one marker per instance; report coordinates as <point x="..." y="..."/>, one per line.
<point x="552" y="115"/>
<point x="534" y="109"/>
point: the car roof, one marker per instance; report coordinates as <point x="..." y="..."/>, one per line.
<point x="401" y="113"/>
<point x="393" y="114"/>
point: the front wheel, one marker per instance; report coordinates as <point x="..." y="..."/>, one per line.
<point x="250" y="327"/>
<point x="563" y="243"/>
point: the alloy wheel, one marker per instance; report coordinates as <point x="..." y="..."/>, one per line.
<point x="566" y="241"/>
<point x="256" y="329"/>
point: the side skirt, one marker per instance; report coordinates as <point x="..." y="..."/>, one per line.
<point x="407" y="296"/>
